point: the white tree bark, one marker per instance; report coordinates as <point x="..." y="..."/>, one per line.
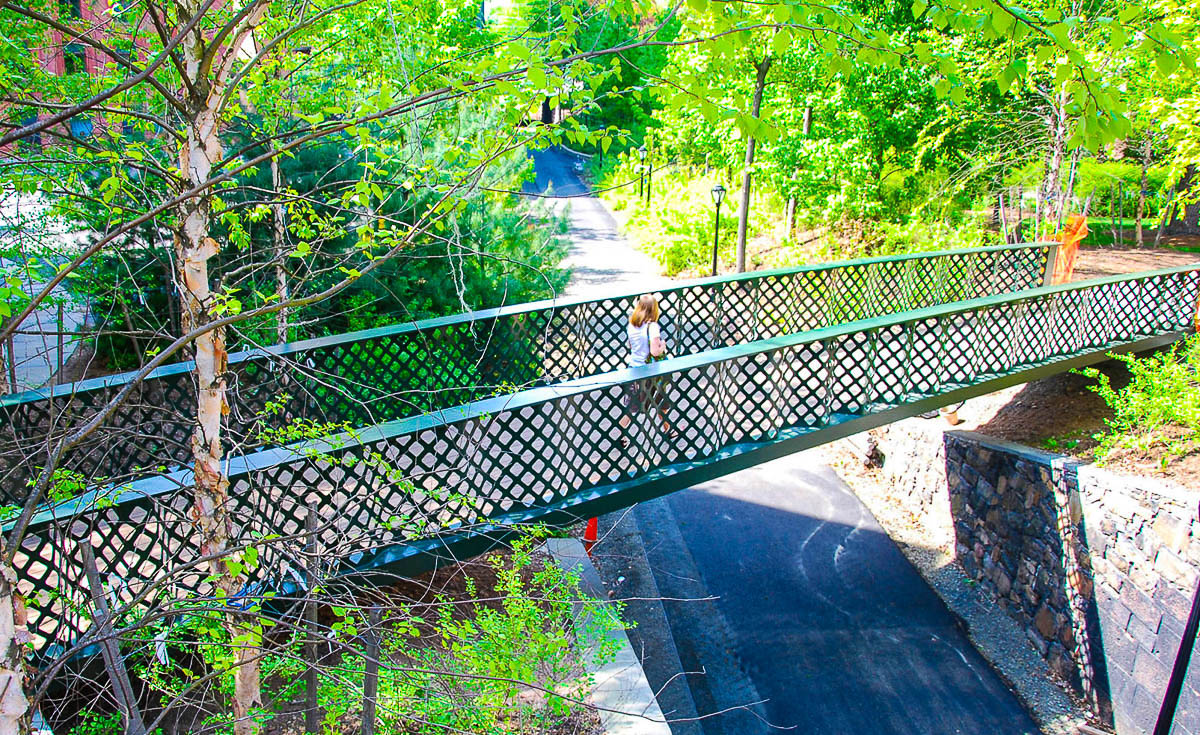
<point x="1052" y="185"/>
<point x="14" y="707"/>
<point x="280" y="234"/>
<point x="1139" y="231"/>
<point x="207" y="69"/>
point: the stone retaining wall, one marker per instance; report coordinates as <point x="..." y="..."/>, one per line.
<point x="1099" y="568"/>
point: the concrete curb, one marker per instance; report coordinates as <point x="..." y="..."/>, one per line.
<point x="626" y="702"/>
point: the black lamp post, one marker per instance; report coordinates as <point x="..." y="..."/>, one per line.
<point x="718" y="193"/>
<point x="641" y="171"/>
<point x="649" y="176"/>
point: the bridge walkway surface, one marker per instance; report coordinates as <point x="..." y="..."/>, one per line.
<point x="821" y="355"/>
<point x="402" y="495"/>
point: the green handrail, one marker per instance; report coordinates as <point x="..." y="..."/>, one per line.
<point x="369" y="377"/>
<point x="553" y="453"/>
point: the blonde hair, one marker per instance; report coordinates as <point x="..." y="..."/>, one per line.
<point x="645" y="309"/>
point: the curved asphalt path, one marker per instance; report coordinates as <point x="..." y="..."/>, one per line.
<point x="599" y="258"/>
<point x="818" y="617"/>
<point x="834" y="627"/>
<point x="771" y="598"/>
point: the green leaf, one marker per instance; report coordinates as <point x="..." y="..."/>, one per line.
<point x="1118" y="37"/>
<point x="537" y="76"/>
<point x="1166" y="63"/>
<point x="1129" y="13"/>
<point x="1006" y="78"/>
<point x="781" y="42"/>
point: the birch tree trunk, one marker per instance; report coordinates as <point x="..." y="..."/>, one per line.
<point x="280" y="237"/>
<point x="1052" y="188"/>
<point x="1140" y="214"/>
<point x="760" y="80"/>
<point x="14" y="707"/>
<point x="207" y="69"/>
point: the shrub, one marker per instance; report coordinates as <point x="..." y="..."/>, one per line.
<point x="507" y="663"/>
<point x="1159" y="408"/>
<point x="676" y="227"/>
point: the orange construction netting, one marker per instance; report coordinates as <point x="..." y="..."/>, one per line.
<point x="1068" y="247"/>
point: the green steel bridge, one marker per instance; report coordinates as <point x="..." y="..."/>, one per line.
<point x="472" y="425"/>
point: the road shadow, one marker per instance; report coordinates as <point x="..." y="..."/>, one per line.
<point x="783" y="590"/>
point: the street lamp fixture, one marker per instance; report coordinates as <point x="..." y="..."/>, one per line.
<point x="641" y="173"/>
<point x="718" y="193"/>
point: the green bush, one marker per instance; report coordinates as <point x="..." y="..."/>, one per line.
<point x="919" y="236"/>
<point x="1097" y="181"/>
<point x="1159" y="408"/>
<point x="676" y="227"/>
<point x="508" y="664"/>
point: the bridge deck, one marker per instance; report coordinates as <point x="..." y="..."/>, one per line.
<point x="405" y="494"/>
<point x="379" y="375"/>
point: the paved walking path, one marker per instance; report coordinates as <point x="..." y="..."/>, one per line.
<point x="772" y="596"/>
<point x="601" y="260"/>
<point x="36" y="355"/>
<point x="819" y="622"/>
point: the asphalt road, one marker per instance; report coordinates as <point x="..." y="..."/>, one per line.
<point x="819" y="618"/>
<point x="771" y="597"/>
<point x="600" y="259"/>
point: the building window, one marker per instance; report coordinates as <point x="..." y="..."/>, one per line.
<point x="71" y="8"/>
<point x="74" y="61"/>
<point x="81" y="127"/>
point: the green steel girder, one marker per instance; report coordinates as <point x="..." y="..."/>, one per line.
<point x="551" y="454"/>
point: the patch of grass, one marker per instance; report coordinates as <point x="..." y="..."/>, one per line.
<point x="1062" y="443"/>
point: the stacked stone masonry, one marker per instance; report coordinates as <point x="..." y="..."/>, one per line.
<point x="1099" y="568"/>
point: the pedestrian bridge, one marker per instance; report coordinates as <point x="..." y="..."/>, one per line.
<point x="767" y="364"/>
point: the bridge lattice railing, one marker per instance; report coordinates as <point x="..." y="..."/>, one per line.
<point x="373" y="376"/>
<point x="398" y="495"/>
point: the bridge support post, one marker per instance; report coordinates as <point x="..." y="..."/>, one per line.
<point x="1051" y="264"/>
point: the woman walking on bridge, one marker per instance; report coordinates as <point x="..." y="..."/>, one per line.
<point x="646" y="345"/>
